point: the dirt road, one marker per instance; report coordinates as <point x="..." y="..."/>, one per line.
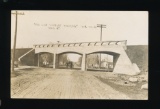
<point x="61" y="84"/>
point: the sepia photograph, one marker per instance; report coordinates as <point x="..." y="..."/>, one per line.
<point x="79" y="55"/>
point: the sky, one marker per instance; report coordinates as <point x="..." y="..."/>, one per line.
<point x="44" y="27"/>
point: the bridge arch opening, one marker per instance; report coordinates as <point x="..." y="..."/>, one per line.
<point x="43" y="59"/>
<point x="69" y="60"/>
<point x="101" y="61"/>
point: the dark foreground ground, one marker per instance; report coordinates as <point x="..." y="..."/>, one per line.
<point x="48" y="83"/>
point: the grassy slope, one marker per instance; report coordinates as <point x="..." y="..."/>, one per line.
<point x="28" y="59"/>
<point x="138" y="54"/>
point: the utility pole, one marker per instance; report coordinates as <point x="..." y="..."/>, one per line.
<point x="101" y="26"/>
<point x="15" y="36"/>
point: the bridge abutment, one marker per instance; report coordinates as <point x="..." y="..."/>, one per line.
<point x="123" y="64"/>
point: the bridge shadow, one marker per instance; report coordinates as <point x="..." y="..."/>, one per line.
<point x="102" y="70"/>
<point x="69" y="68"/>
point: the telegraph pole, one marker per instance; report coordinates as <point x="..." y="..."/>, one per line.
<point x="101" y="26"/>
<point x="15" y="36"/>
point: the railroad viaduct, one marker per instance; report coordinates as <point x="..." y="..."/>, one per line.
<point x="121" y="62"/>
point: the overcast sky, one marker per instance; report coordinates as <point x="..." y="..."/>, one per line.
<point x="43" y="27"/>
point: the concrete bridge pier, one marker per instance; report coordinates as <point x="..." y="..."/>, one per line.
<point x="54" y="60"/>
<point x="38" y="59"/>
<point x="83" y="67"/>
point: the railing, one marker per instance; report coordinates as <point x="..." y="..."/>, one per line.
<point x="98" y="43"/>
<point x="19" y="59"/>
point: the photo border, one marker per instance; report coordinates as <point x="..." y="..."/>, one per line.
<point x="154" y="72"/>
